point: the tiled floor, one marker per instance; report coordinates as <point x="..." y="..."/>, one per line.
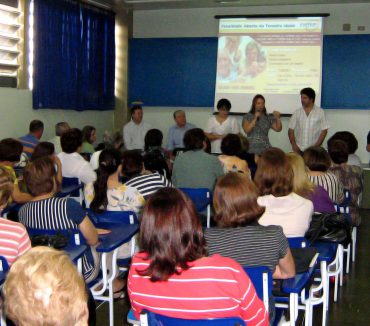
<point x="352" y="308"/>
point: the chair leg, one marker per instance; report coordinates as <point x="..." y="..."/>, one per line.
<point x="348" y="251"/>
<point x="111" y="304"/>
<point x="354" y="240"/>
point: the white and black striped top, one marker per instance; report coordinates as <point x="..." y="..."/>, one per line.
<point x="57" y="214"/>
<point x="148" y="184"/>
<point x="331" y="184"/>
<point x="252" y="245"/>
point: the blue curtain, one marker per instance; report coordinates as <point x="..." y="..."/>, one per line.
<point x="74" y="59"/>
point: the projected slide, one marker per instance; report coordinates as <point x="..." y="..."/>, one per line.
<point x="274" y="57"/>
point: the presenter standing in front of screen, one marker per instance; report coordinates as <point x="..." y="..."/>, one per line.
<point x="308" y="125"/>
<point x="257" y="124"/>
<point x="220" y="125"/>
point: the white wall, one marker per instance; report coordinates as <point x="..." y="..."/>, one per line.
<point x="16" y="113"/>
<point x="201" y="23"/>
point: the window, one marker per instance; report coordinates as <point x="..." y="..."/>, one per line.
<point x="10" y="27"/>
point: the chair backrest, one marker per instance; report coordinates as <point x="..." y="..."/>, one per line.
<point x="4" y="268"/>
<point x="151" y="319"/>
<point x="113" y="217"/>
<point x="72" y="183"/>
<point x="261" y="278"/>
<point x="298" y="242"/>
<point x="201" y="197"/>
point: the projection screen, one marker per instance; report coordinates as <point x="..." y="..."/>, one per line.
<point x="275" y="57"/>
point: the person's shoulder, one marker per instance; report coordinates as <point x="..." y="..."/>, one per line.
<point x="225" y="263"/>
<point x="14" y="226"/>
<point x="189" y="126"/>
<point x="128" y="124"/>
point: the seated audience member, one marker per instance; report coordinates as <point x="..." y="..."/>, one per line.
<point x="135" y="176"/>
<point x="44" y="149"/>
<point x="307" y="189"/>
<point x="349" y="175"/>
<point x="73" y="164"/>
<point x="246" y="156"/>
<point x="274" y="179"/>
<point x="10" y="153"/>
<point x="135" y="130"/>
<point x="195" y="168"/>
<point x="238" y="234"/>
<point x="114" y="141"/>
<point x="218" y="126"/>
<point x="30" y="140"/>
<point x="44" y="288"/>
<point x="156" y="159"/>
<point x="60" y="129"/>
<point x="231" y="147"/>
<point x="352" y="144"/>
<point x="107" y="192"/>
<point x="47" y="212"/>
<point x="14" y="240"/>
<point x="175" y="137"/>
<point x="88" y="139"/>
<point x="318" y="162"/>
<point x="173" y="266"/>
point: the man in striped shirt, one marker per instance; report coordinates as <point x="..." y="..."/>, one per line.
<point x="30" y="140"/>
<point x="308" y="125"/>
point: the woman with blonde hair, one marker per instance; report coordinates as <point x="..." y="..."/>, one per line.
<point x="306" y="188"/>
<point x="43" y="287"/>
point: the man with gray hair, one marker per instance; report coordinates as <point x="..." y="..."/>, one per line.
<point x="176" y="133"/>
<point x="60" y="129"/>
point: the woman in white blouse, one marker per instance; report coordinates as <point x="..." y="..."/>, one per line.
<point x="220" y="125"/>
<point x="274" y="179"/>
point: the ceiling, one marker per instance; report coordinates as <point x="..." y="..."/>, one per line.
<point x="178" y="4"/>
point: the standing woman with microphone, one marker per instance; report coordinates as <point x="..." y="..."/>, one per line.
<point x="257" y="124"/>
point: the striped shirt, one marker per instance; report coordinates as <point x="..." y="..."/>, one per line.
<point x="14" y="240"/>
<point x="213" y="287"/>
<point x="29" y="143"/>
<point x="148" y="184"/>
<point x="307" y="128"/>
<point x="58" y="214"/>
<point x="331" y="184"/>
<point x="252" y="245"/>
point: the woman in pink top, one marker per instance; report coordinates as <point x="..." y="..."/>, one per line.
<point x="274" y="178"/>
<point x="173" y="276"/>
<point x="14" y="239"/>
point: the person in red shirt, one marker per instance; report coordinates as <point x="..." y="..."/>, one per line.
<point x="173" y="276"/>
<point x="14" y="239"/>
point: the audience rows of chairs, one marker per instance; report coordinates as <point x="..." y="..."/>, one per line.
<point x="117" y="233"/>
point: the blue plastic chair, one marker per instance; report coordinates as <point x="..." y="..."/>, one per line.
<point x="71" y="187"/>
<point x="202" y="199"/>
<point x="261" y="278"/>
<point x="107" y="218"/>
<point x="153" y="319"/>
<point x="76" y="246"/>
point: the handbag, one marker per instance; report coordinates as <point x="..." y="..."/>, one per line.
<point x="56" y="241"/>
<point x="329" y="227"/>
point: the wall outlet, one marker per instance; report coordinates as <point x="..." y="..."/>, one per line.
<point x="346" y="27"/>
